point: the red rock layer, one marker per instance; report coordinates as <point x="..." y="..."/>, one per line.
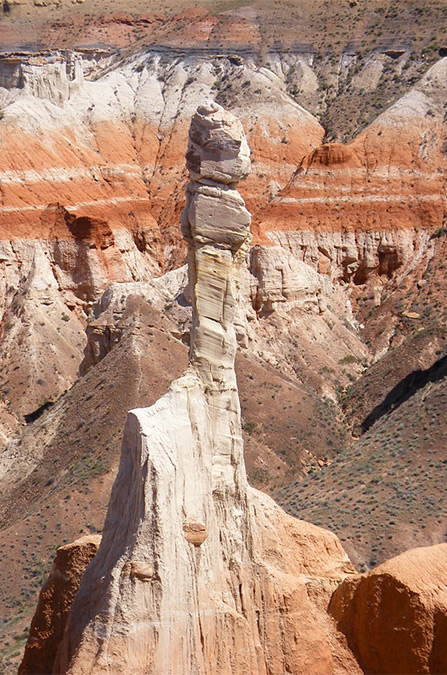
<point x="38" y="170"/>
<point x="386" y="179"/>
<point x="124" y="175"/>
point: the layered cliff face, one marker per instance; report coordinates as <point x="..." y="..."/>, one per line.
<point x="367" y="209"/>
<point x="117" y="122"/>
<point x="95" y="196"/>
<point x="101" y="134"/>
<point x="91" y="182"/>
<point x="196" y="570"/>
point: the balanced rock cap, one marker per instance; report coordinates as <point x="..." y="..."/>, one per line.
<point x="217" y="149"/>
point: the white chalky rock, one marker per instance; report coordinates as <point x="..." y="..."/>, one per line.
<point x="216" y="225"/>
<point x="197" y="573"/>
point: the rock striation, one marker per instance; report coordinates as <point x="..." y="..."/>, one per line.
<point x="97" y="211"/>
<point x="216" y="225"/>
<point x="367" y="209"/>
<point x="358" y="213"/>
<point x="197" y="572"/>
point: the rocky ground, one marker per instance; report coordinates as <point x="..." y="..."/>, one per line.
<point x="342" y="333"/>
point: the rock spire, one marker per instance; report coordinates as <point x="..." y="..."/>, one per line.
<point x="197" y="572"/>
<point x="216" y="225"/>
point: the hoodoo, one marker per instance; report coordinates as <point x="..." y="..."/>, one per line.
<point x="197" y="572"/>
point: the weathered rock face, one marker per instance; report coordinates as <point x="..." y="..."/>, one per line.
<point x="355" y="256"/>
<point x="395" y="617"/>
<point x="282" y="278"/>
<point x="38" y="360"/>
<point x="197" y="572"/>
<point x="300" y="321"/>
<point x="105" y="328"/>
<point x="56" y="597"/>
<point x="217" y="226"/>
<point x="79" y="212"/>
<point x="92" y="184"/>
<point x="72" y="104"/>
<point x="368" y="208"/>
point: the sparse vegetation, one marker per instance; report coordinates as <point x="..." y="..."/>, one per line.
<point x="390" y="479"/>
<point x="439" y="232"/>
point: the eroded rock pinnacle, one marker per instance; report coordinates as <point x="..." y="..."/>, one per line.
<point x="216" y="225"/>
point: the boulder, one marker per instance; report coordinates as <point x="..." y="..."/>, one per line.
<point x="217" y="148"/>
<point x="395" y="617"/>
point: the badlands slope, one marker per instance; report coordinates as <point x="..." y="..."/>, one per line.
<point x="97" y="193"/>
<point x="91" y="182"/>
<point x="247" y="602"/>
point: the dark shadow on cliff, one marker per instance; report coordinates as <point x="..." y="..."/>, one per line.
<point x="405" y="389"/>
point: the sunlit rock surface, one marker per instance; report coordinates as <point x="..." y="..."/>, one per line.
<point x="232" y="584"/>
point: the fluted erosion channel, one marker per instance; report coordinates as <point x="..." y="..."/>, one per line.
<point x="197" y="572"/>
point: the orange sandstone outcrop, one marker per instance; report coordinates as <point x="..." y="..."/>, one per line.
<point x="395" y="617"/>
<point x="56" y="597"/>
